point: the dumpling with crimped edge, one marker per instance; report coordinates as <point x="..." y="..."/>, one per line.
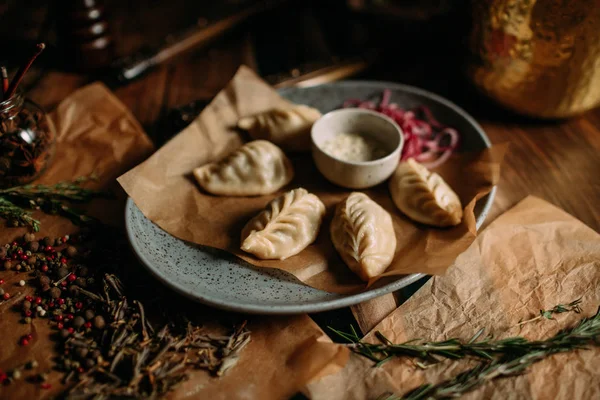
<point x="286" y="127"/>
<point x="257" y="168"/>
<point x="363" y="234"/>
<point x="287" y="225"/>
<point x="424" y="196"/>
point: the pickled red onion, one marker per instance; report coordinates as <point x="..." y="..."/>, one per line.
<point x="425" y="139"/>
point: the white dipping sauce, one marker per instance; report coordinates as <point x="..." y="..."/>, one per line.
<point x="354" y="147"/>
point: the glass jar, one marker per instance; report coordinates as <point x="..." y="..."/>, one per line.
<point x="27" y="141"/>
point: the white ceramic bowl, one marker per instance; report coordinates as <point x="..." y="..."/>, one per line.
<point x="350" y="174"/>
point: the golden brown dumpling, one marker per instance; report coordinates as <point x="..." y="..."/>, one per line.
<point x="257" y="168"/>
<point x="363" y="234"/>
<point x="424" y="196"/>
<point x="286" y="127"/>
<point x="287" y="225"/>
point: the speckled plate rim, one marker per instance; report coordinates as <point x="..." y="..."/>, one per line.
<point x="325" y="305"/>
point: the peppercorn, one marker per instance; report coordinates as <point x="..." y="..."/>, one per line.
<point x="16" y="374"/>
<point x="27" y="320"/>
<point x="57" y="242"/>
<point x="8" y="264"/>
<point x="32" y="364"/>
<point x="96" y="354"/>
<point x="48" y="241"/>
<point x="75" y="364"/>
<point x="73" y="289"/>
<point x="43" y="377"/>
<point x="33" y="246"/>
<point x="78" y="322"/>
<point x="89" y="314"/>
<point x="55" y="292"/>
<point x="99" y="322"/>
<point x="1" y="292"/>
<point x="44" y="280"/>
<point x="84" y="271"/>
<point x="32" y="260"/>
<point x="62" y="272"/>
<point x="81" y="352"/>
<point x="22" y="283"/>
<point x="80" y="282"/>
<point x="89" y="363"/>
<point x="71" y="251"/>
<point x="26" y="305"/>
<point x="64" y="333"/>
<point x="45" y="288"/>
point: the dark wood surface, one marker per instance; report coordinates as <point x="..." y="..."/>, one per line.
<point x="556" y="160"/>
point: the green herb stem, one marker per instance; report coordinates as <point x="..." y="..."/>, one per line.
<point x="584" y="334"/>
<point x="51" y="199"/>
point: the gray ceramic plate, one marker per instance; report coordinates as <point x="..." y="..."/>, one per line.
<point x="219" y="279"/>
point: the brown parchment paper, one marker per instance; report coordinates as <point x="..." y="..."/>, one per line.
<point x="97" y="134"/>
<point x="533" y="257"/>
<point x="164" y="191"/>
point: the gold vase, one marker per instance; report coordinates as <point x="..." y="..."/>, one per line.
<point x="537" y="57"/>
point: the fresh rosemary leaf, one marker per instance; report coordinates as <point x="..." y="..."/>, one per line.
<point x="558" y="309"/>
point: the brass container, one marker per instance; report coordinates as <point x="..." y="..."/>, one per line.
<point x="539" y="58"/>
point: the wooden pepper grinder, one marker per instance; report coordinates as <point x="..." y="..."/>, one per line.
<point x="84" y="34"/>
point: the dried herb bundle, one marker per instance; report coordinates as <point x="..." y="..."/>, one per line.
<point x="51" y="199"/>
<point x="139" y="362"/>
<point x="585" y="333"/>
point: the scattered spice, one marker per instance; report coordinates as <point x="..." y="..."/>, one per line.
<point x="107" y="347"/>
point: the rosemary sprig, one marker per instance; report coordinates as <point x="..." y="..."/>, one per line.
<point x="454" y="349"/>
<point x="558" y="309"/>
<point x="585" y="333"/>
<point x="51" y="199"/>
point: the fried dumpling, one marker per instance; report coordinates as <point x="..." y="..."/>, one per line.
<point x="363" y="234"/>
<point x="287" y="225"/>
<point x="257" y="168"/>
<point x="286" y="127"/>
<point x="424" y="196"/>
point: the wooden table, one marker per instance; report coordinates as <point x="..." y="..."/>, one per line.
<point x="558" y="161"/>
